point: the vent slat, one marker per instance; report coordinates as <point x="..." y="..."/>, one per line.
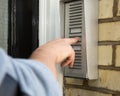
<point x="76" y="10"/>
<point x="77" y="32"/>
<point x="76" y="23"/>
<point x="76" y="26"/>
<point x="76" y="6"/>
<point x="77" y="62"/>
<point x="75" y="35"/>
<point x="75" y="14"/>
<point x="76" y="47"/>
<point x="79" y="17"/>
<point x="75" y="20"/>
<point x="78" y="44"/>
<point x="76" y="51"/>
<point x="76" y="2"/>
<point x="75" y="17"/>
<point x="77" y="67"/>
<point x="78" y="55"/>
<point x="78" y="58"/>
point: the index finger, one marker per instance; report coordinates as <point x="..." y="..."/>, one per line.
<point x="72" y="40"/>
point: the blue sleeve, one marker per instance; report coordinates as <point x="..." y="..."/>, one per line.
<point x="35" y="78"/>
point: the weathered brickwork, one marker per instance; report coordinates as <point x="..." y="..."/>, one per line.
<point x="105" y="8"/>
<point x="74" y="81"/>
<point x="118" y="56"/>
<point x="105" y="55"/>
<point x="77" y="92"/>
<point x="108" y="83"/>
<point x="118" y="12"/>
<point x="109" y="79"/>
<point x="109" y="31"/>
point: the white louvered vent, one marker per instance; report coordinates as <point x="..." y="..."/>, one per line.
<point x="74" y="28"/>
<point x="80" y="19"/>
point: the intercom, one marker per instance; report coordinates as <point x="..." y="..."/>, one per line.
<point x="79" y="18"/>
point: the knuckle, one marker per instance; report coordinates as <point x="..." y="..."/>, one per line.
<point x="67" y="40"/>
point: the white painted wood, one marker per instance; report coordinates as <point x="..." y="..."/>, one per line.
<point x="49" y="25"/>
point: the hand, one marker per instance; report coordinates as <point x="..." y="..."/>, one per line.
<point x="54" y="52"/>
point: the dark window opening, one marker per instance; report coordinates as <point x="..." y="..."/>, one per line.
<point x="23" y="27"/>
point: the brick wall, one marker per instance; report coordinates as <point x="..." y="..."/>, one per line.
<point x="3" y="23"/>
<point x="108" y="83"/>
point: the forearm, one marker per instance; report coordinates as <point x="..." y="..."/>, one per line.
<point x="47" y="58"/>
<point x="34" y="78"/>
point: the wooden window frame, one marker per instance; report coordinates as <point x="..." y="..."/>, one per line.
<point x="13" y="28"/>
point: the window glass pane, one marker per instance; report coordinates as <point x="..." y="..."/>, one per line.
<point x="3" y="23"/>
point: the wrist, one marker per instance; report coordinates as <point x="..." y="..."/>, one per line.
<point x="47" y="59"/>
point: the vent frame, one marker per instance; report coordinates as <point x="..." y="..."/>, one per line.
<point x="90" y="20"/>
<point x="79" y="69"/>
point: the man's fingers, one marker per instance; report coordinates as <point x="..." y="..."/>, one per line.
<point x="70" y="60"/>
<point x="73" y="59"/>
<point x="67" y="62"/>
<point x="72" y="40"/>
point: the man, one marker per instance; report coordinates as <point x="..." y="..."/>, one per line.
<point x="37" y="75"/>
